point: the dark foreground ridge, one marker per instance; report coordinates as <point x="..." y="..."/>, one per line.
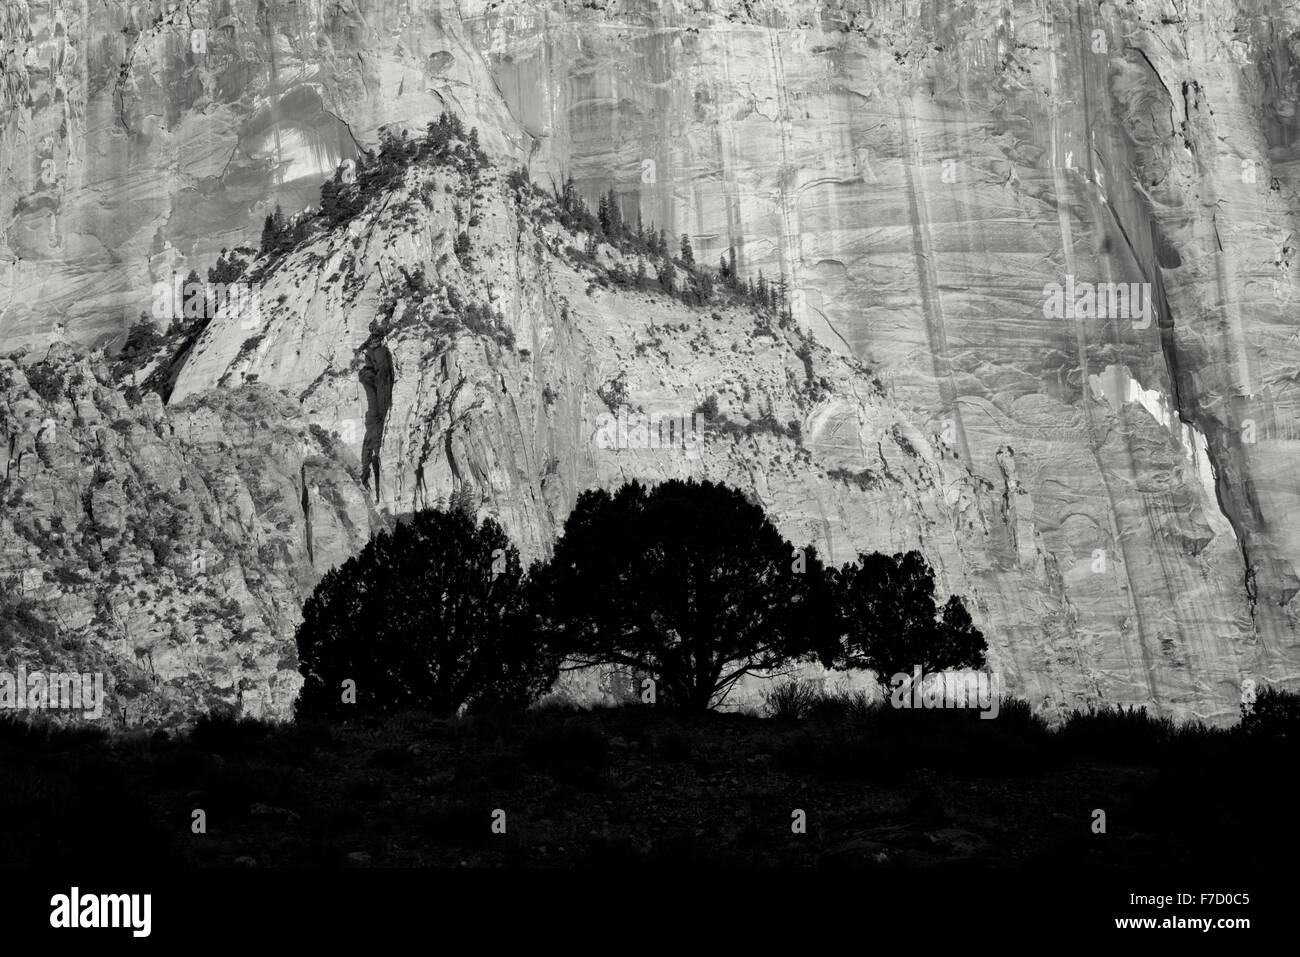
<point x="642" y="786"/>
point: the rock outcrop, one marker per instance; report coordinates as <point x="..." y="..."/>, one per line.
<point x="170" y="548"/>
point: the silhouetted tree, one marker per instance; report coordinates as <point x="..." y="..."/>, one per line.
<point x="890" y="622"/>
<point x="688" y="583"/>
<point x="229" y="267"/>
<point x="193" y="296"/>
<point x="430" y="616"/>
<point x="668" y="276"/>
<point x="704" y="283"/>
<point x="272" y="227"/>
<point x="688" y="254"/>
<point x="142" y="341"/>
<point x="1273" y="714"/>
<point x="615" y="217"/>
<point x="329" y="197"/>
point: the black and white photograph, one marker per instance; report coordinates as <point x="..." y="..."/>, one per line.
<point x="696" y="459"/>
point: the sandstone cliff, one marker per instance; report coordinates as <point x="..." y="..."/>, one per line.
<point x="1111" y="494"/>
<point x="168" y="547"/>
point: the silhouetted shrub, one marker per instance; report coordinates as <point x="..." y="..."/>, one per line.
<point x="281" y="235"/>
<point x="790" y="699"/>
<point x="46" y="382"/>
<point x="21" y="621"/>
<point x="220" y="732"/>
<point x="428" y="616"/>
<point x="142" y="342"/>
<point x="518" y="180"/>
<point x="886" y="744"/>
<point x="614" y="392"/>
<point x="230" y="266"/>
<point x="831" y="706"/>
<point x="1275" y="714"/>
<point x="687" y="253"/>
<point x="864" y="479"/>
<point x="37" y="732"/>
<point x="709" y="407"/>
<point x="1132" y="735"/>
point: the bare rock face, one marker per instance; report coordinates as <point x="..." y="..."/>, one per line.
<point x="140" y="139"/>
<point x="1105" y="471"/>
<point x="514" y="417"/>
<point x="169" y="548"/>
<point x="923" y="174"/>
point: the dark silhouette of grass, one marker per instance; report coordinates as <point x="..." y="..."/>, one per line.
<point x="222" y="733"/>
<point x="791" y="699"/>
<point x="67" y="800"/>
<point x="848" y="736"/>
<point x="644" y="786"/>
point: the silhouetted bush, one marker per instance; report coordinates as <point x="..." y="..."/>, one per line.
<point x="220" y="732"/>
<point x="428" y="616"/>
<point x="886" y="744"/>
<point x="790" y="699"/>
<point x="865" y="479"/>
<point x="708" y="408"/>
<point x="1275" y="714"/>
<point x="37" y="732"/>
<point x="281" y="235"/>
<point x="832" y="706"/>
<point x="46" y="382"/>
<point x="142" y="342"/>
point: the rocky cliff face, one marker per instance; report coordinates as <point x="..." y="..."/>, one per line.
<point x="1111" y="490"/>
<point x="171" y="548"/>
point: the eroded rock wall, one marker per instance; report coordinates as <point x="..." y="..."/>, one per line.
<point x="921" y="172"/>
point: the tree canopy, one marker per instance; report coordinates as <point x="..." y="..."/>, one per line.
<point x="688" y="583"/>
<point x="431" y="616"/>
